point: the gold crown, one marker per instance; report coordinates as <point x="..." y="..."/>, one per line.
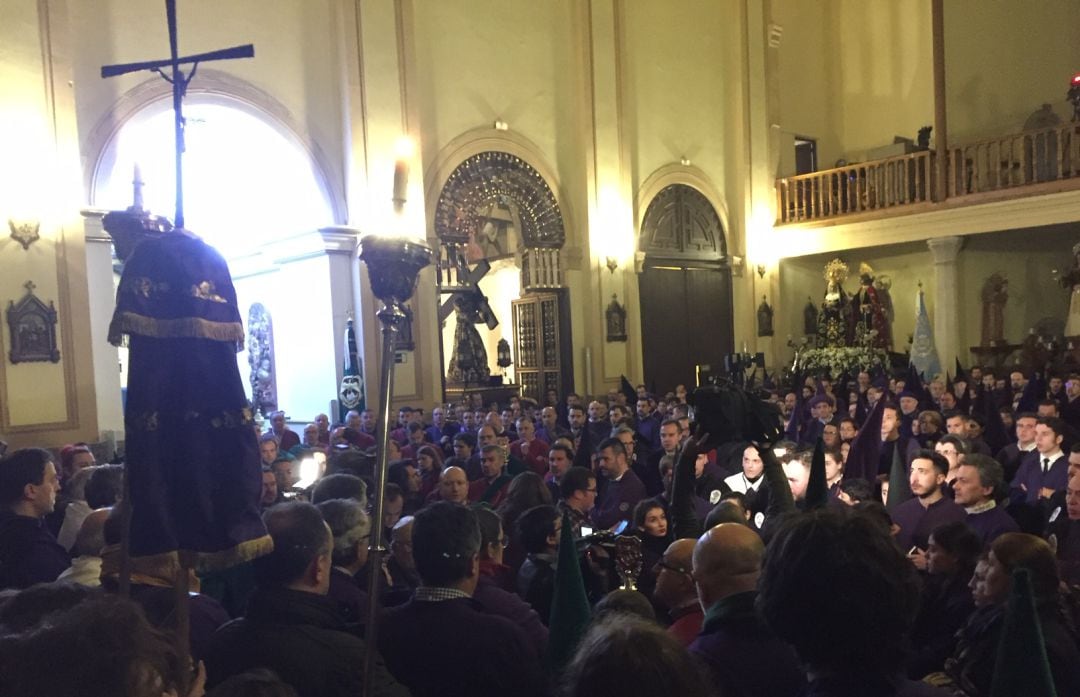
<point x="865" y="270"/>
<point x="836" y="270"/>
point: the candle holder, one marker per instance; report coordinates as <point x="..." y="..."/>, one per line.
<point x="394" y="266"/>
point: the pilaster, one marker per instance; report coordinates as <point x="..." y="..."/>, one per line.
<point x="944" y="251"/>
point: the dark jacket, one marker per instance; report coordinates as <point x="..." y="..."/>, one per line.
<point x="946" y="606"/>
<point x="452" y="648"/>
<point x="350" y="597"/>
<point x="972" y="664"/>
<point x="29" y="553"/>
<point x="743" y="655"/>
<point x="497" y="601"/>
<point x="536" y="583"/>
<point x="302" y="638"/>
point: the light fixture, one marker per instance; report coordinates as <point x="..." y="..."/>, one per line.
<point x="403" y="153"/>
<point x="501" y="125"/>
<point x="761" y="270"/>
<point x="685" y="161"/>
<point x="612" y="263"/>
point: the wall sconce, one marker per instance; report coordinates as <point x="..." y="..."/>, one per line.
<point x="612" y="264"/>
<point x="760" y="270"/>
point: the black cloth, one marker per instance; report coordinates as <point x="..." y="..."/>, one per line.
<point x="29" y="553"/>
<point x="536" y="583"/>
<point x="302" y="638"/>
<point x="195" y="476"/>
<point x="452" y="648"/>
<point x="972" y="664"/>
<point x="743" y="655"/>
<point x="205" y="614"/>
<point x="869" y="686"/>
<point x="345" y="590"/>
<point x="946" y="606"/>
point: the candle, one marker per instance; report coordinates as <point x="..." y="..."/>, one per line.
<point x="403" y="151"/>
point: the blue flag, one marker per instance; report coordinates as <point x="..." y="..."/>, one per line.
<point x="923" y="352"/>
<point x="351" y="393"/>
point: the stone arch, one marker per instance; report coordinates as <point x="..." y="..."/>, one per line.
<point x="493" y="177"/>
<point x="681" y="223"/>
<point x="214" y="87"/>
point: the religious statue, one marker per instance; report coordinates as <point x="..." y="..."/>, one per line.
<point x="835" y="310"/>
<point x="764" y="318"/>
<point x="468" y="361"/>
<point x="995" y="293"/>
<point x="1071" y="280"/>
<point x="871" y="325"/>
<point x="810" y="318"/>
<point x="260" y="346"/>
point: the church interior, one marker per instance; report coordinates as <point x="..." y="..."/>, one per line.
<point x="637" y="189"/>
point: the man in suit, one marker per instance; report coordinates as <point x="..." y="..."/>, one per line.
<point x="441" y="642"/>
<point x="624" y="488"/>
<point x="1045" y="470"/>
<point x="1012" y="454"/>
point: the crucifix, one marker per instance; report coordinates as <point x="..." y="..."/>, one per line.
<point x="179" y="82"/>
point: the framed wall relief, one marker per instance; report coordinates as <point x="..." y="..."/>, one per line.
<point x="616" y="320"/>
<point x="32" y="325"/>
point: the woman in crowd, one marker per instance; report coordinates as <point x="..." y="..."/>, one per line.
<point x="526" y="491"/>
<point x="430" y="465"/>
<point x="971" y="668"/>
<point x="651" y="526"/>
<point x="946" y="598"/>
<point x="407" y="476"/>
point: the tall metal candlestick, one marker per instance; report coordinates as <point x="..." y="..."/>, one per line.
<point x="394" y="265"/>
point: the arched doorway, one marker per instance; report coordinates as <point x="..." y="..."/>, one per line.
<point x="499" y="225"/>
<point x="685" y="288"/>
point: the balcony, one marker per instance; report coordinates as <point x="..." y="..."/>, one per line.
<point x="1021" y="164"/>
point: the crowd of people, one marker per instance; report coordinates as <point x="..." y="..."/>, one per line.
<point x="873" y="550"/>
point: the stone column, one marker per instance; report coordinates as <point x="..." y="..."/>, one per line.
<point x="102" y="298"/>
<point x="944" y="251"/>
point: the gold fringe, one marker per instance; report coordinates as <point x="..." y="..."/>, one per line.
<point x="161" y="569"/>
<point x="205" y="562"/>
<point x="182" y="328"/>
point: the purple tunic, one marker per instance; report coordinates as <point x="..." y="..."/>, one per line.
<point x="917" y="521"/>
<point x="988" y="525"/>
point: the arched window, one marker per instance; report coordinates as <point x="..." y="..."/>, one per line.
<point x="246" y="180"/>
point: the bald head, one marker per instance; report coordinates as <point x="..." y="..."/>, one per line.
<point x="91" y="537"/>
<point x="454" y="485"/>
<point x="727" y="560"/>
<point x="681" y="553"/>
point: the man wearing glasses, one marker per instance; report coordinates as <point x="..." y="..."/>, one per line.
<point x="675" y="591"/>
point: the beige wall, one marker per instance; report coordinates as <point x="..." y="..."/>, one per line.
<point x="1003" y="59"/>
<point x="42" y="403"/>
<point x="853" y="73"/>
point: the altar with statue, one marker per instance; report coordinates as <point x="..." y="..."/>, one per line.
<point x="849" y="332"/>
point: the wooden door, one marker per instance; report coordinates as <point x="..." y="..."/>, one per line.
<point x="686" y="321"/>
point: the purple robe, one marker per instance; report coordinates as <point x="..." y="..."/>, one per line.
<point x="989" y="525"/>
<point x="917" y="521"/>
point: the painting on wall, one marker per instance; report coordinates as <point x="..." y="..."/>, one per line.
<point x="32" y="326"/>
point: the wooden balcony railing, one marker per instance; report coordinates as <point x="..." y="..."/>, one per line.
<point x="1007" y="162"/>
<point x="1018" y="159"/>
<point x="858" y="188"/>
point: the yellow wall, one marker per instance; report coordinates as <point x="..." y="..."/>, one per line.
<point x="42" y="403"/>
<point x="853" y="73"/>
<point x="1003" y="59"/>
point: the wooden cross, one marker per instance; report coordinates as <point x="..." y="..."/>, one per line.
<point x="179" y="83"/>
